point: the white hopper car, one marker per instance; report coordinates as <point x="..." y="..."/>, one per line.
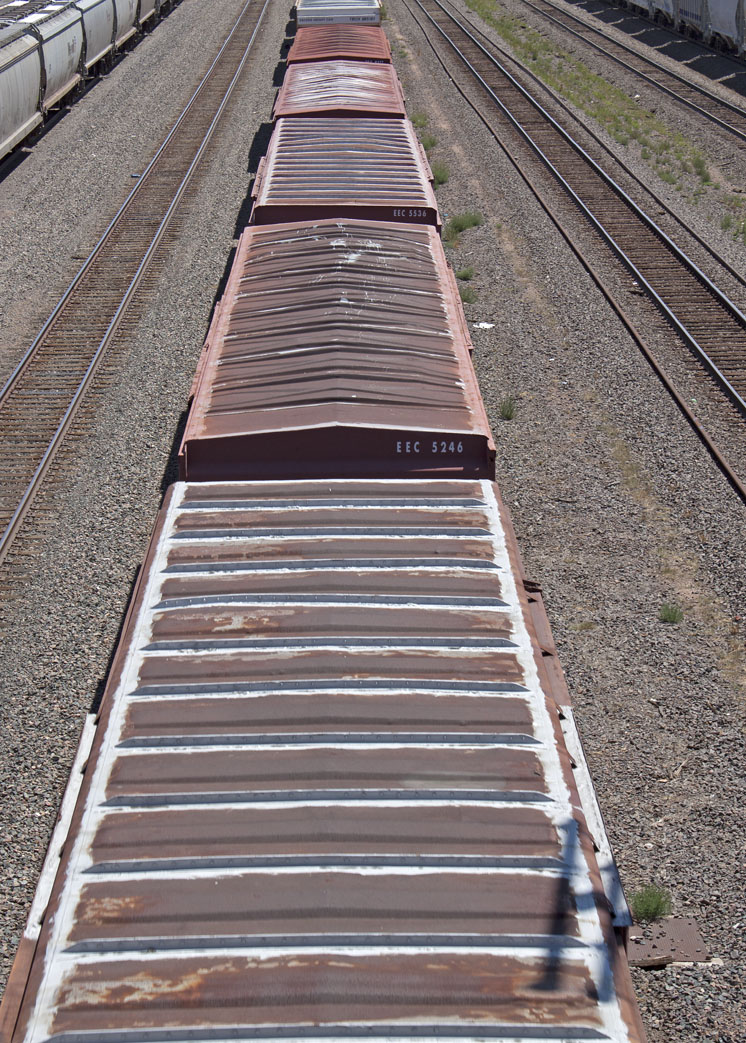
<point x="48" y="48"/>
<point x="720" y="23"/>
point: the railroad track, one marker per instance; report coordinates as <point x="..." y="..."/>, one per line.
<point x="705" y="319"/>
<point x="729" y="116"/>
<point x="42" y="397"/>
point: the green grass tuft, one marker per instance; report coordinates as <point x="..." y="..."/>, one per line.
<point x="670" y="613"/>
<point x="700" y="168"/>
<point x="465" y="274"/>
<point x="460" y="223"/>
<point x="506" y="408"/>
<point x="419" y="120"/>
<point x="467" y="294"/>
<point x="428" y="142"/>
<point x="650" y="903"/>
<point x="440" y="173"/>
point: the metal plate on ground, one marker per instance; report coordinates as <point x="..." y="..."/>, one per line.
<point x="676" y="939"/>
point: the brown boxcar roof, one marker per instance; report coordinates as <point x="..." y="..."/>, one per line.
<point x="317" y="43"/>
<point x="339" y="349"/>
<point x="341" y="814"/>
<point x="340" y="88"/>
<point x="374" y="169"/>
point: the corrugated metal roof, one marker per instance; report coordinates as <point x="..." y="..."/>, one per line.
<point x="373" y="169"/>
<point x="14" y="10"/>
<point x="340" y="88"/>
<point x="325" y="12"/>
<point x="366" y="43"/>
<point x="316" y="811"/>
<point x="339" y="349"/>
<point x="15" y="40"/>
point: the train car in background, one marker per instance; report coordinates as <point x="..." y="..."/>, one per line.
<point x="59" y="30"/>
<point x="339" y="349"/>
<point x="99" y="29"/>
<point x="20" y="86"/>
<point x="330" y="12"/>
<point x="48" y="49"/>
<point x="719" y="23"/>
<point x="725" y="25"/>
<point x="363" y="43"/>
<point x="334" y="792"/>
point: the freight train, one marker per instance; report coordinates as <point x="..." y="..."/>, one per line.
<point x="47" y="50"/>
<point x="335" y="790"/>
<point x="719" y="23"/>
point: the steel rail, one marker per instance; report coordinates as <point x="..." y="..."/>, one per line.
<point x="645" y="59"/>
<point x="679" y="254"/>
<point x="29" y="493"/>
<point x="721" y="261"/>
<point x="718" y="456"/>
<point x="31" y="351"/>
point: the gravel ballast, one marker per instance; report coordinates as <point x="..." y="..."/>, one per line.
<point x="616" y="505"/>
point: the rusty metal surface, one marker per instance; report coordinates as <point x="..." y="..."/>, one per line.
<point x="318" y="167"/>
<point x="675" y="939"/>
<point x="392" y="847"/>
<point x="320" y="43"/>
<point x="339" y="348"/>
<point x="340" y="88"/>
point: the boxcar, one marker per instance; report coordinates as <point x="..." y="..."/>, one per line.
<point x="339" y="349"/>
<point x="374" y="169"/>
<point x="340" y="88"/>
<point x="328" y="12"/>
<point x="365" y="43"/>
<point x="329" y="794"/>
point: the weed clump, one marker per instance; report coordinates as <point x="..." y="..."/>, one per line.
<point x="460" y="223"/>
<point x="465" y="274"/>
<point x="670" y="613"/>
<point x="650" y="903"/>
<point x="440" y="173"/>
<point x="467" y="294"/>
<point x="506" y="408"/>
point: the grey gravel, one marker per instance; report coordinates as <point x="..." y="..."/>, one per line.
<point x="616" y="505"/>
